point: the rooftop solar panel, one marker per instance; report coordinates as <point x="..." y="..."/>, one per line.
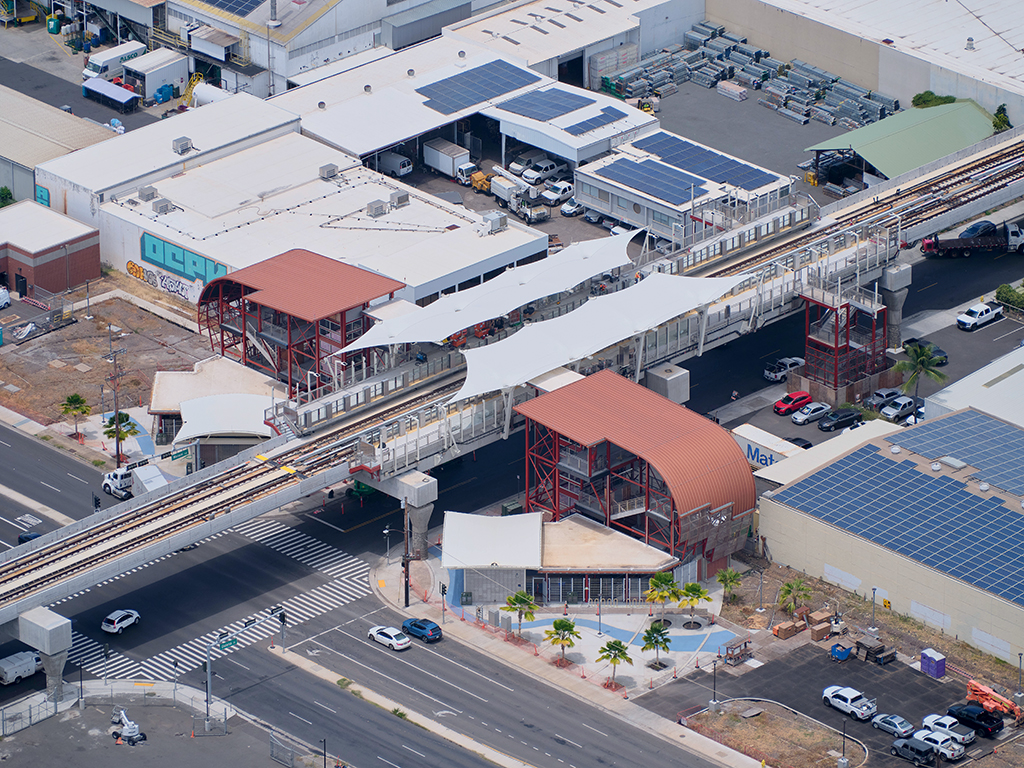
<point x="474" y="86"/>
<point x="712" y="165"/>
<point x="546" y="105"/>
<point x="608" y="115"/>
<point x="655" y="179"/>
<point x="960" y="533"/>
<point x="237" y="7"/>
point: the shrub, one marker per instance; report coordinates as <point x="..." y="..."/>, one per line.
<point x="929" y="99"/>
<point x="1007" y="294"/>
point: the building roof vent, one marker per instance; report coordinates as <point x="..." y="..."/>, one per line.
<point x="376" y="208"/>
<point x="495" y="221"/>
<point x="147" y="193"/>
<point x="970" y="44"/>
<point x="400" y="198"/>
<point x="181" y="145"/>
<point x="952" y="461"/>
<point x="328" y="171"/>
<point x="367" y="89"/>
<point x="163" y="205"/>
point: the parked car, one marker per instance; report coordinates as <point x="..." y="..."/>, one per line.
<point x="779" y="370"/>
<point x="894" y="724"/>
<point x="542" y="170"/>
<point x="939" y="355"/>
<point x="25" y="538"/>
<point x="558" y="193"/>
<point x="792" y="402"/>
<point x="941" y="743"/>
<point x="977" y="717"/>
<point x="389" y="636"/>
<point x="526" y="159"/>
<point x="119" y="620"/>
<point x="800" y="442"/>
<point x="950" y="726"/>
<point x="572" y="208"/>
<point x="880" y="398"/>
<point x="5" y="298"/>
<point x="594" y="217"/>
<point x="844" y="417"/>
<point x="850" y="701"/>
<point x="913" y="750"/>
<point x="979" y="229"/>
<point x="899" y="408"/>
<point x="425" y="629"/>
<point x="811" y="412"/>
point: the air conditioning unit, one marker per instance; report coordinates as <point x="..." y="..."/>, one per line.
<point x="181" y="145"/>
<point x="376" y="208"/>
<point x="328" y="171"/>
<point x="147" y="193"/>
<point x="163" y="205"/>
<point x="398" y="199"/>
<point x="495" y="221"/>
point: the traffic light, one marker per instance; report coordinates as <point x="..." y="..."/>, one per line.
<point x="444" y="589"/>
<point x="204" y="666"/>
<point x="283" y="618"/>
<point x="106" y="650"/>
<point x="95" y="502"/>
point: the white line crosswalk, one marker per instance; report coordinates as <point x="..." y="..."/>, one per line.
<point x="88" y="654"/>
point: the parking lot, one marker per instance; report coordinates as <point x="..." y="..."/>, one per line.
<point x="797" y="681"/>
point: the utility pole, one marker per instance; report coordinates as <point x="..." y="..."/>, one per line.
<point x="115" y="380"/>
<point x="405" y="557"/>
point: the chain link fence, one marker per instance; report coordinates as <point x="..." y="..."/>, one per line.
<point x="24" y="714"/>
<point x="281" y="752"/>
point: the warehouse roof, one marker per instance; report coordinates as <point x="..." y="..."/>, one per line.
<point x="307" y="285"/>
<point x="152" y="61"/>
<point x="32" y="227"/>
<point x="995" y="388"/>
<point x="32" y="132"/>
<point x="909" y="139"/>
<point x="930" y="494"/>
<point x="485" y="541"/>
<point x="699" y="460"/>
<point x="307" y="76"/>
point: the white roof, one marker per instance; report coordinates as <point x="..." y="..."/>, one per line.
<point x="555" y="379"/>
<point x="212" y="376"/>
<point x="152" y="61"/>
<point x="222" y="416"/>
<point x="308" y="76"/>
<point x="934" y="31"/>
<point x="391" y="309"/>
<point x="510" y="290"/>
<point x="814" y="458"/>
<point x="995" y="389"/>
<point x="146" y="150"/>
<point x="484" y="541"/>
<point x="260" y="202"/>
<point x="577" y="543"/>
<point x="545" y="30"/>
<point x="34" y="228"/>
<point x="597" y="325"/>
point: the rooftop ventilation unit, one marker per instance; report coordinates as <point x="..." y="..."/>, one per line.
<point x="328" y="171"/>
<point x="495" y="221"/>
<point x="398" y="199"/>
<point x="952" y="461"/>
<point x="147" y="193"/>
<point x="376" y="208"/>
<point x="181" y="145"/>
<point x="163" y="205"/>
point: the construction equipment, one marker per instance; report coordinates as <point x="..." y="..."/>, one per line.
<point x="993" y="702"/>
<point x="129" y="728"/>
<point x="482" y="182"/>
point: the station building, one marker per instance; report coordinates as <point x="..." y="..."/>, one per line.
<point x="624" y="456"/>
<point x="927" y="519"/>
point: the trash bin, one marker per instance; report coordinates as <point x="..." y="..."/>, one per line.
<point x="53" y="25"/>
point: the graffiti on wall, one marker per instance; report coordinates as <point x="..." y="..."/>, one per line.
<point x="183" y="263"/>
<point x="165" y="282"/>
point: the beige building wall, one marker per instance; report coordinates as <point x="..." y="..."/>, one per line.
<point x="975" y="616"/>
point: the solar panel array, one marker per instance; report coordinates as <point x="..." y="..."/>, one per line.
<point x="483" y="83"/>
<point x="608" y="115"/>
<point x="994" y="447"/>
<point x="705" y="162"/>
<point x="932" y="519"/>
<point x="660" y="181"/>
<point x="546" y="105"/>
<point x="237" y="7"/>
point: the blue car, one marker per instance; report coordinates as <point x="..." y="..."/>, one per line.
<point x="424" y="629"/>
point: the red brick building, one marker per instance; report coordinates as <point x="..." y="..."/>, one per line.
<point x="40" y="247"/>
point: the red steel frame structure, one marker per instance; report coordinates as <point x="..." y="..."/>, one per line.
<point x="846" y="338"/>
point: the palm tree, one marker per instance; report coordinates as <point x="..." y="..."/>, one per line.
<point x="662" y="588"/>
<point x="614" y="652"/>
<point x="729" y="579"/>
<point x="793" y="593"/>
<point x="656" y="639"/>
<point x="692" y="595"/>
<point x="522" y="605"/>
<point x="920" y="362"/>
<point x="123" y="425"/>
<point x="563" y="632"/>
<point x="75" y="406"/>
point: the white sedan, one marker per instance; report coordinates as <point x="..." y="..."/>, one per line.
<point x="811" y="412"/>
<point x="391" y="637"/>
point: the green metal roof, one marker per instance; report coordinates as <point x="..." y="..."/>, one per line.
<point x="909" y="139"/>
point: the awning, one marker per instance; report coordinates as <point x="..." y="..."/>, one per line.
<point x="223" y="416"/>
<point x="597" y="325"/>
<point x="510" y="290"/>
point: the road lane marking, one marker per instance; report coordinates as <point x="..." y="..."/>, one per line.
<point x="414" y="751"/>
<point x="569" y="740"/>
<point x="593" y="729"/>
<point x="235" y="662"/>
<point x="9" y="546"/>
<point x="86" y="482"/>
<point x="307" y="722"/>
<point x="324" y="522"/>
<point x="467" y="669"/>
<point x="3" y="443"/>
<point x="387" y="761"/>
<point x="58" y="490"/>
<point x="40" y="509"/>
<point x="927" y="287"/>
<point x="325" y="707"/>
<point x="1008" y="333"/>
<point x="13" y="524"/>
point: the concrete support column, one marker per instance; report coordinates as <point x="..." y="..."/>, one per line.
<point x="893" y="301"/>
<point x="419" y="521"/>
<point x="53" y="665"/>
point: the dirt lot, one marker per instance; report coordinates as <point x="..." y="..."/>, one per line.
<point x="908" y="635"/>
<point x="775" y="735"/>
<point x="73" y="359"/>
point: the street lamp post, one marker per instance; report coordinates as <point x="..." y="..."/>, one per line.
<point x="387" y="539"/>
<point x="324" y="742"/>
<point x="760" y="594"/>
<point x="873" y="628"/>
<point x="714" y="686"/>
<point x="1020" y="660"/>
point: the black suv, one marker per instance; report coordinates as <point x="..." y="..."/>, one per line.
<point x="839" y="419"/>
<point x="976" y="717"/>
<point x="917" y="752"/>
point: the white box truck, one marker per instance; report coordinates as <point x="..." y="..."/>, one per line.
<point x="450" y="159"/>
<point x="393" y="164"/>
<point x="121" y="483"/>
<point x="110" y="64"/>
<point x="146" y="74"/>
<point x="16" y="668"/>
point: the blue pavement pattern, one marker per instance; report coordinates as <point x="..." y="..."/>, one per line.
<point x="681" y="640"/>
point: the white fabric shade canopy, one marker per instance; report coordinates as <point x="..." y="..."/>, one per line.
<point x="597" y="325"/>
<point x="510" y="290"/>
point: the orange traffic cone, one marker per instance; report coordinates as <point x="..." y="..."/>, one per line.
<point x="697" y="663"/>
<point x="118" y="742"/>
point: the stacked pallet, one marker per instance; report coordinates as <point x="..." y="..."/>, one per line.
<point x="732" y="90"/>
<point x="613" y="60"/>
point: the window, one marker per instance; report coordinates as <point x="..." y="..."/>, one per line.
<point x="621" y="202"/>
<point x="353" y="330"/>
<point x="660" y="218"/>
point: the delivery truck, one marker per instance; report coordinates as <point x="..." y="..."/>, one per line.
<point x="110" y="64"/>
<point x="124" y="483"/>
<point x="450" y="159"/>
<point x="16" y="668"/>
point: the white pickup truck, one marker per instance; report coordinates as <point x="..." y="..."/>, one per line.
<point x="949" y="726"/>
<point x="979" y="315"/>
<point x="849" y="700"/>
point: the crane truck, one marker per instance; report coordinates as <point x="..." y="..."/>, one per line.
<point x="519" y="197"/>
